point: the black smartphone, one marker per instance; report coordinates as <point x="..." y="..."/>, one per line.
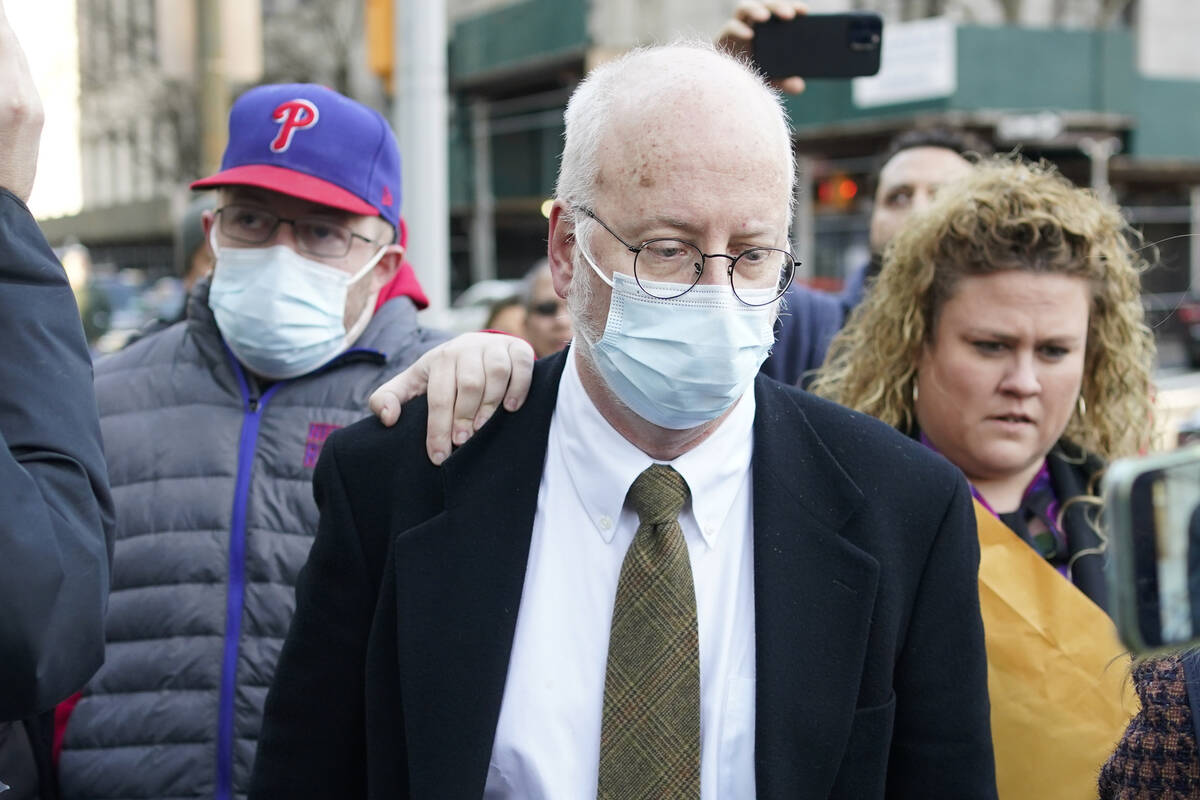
<point x="819" y="45"/>
<point x="1152" y="510"/>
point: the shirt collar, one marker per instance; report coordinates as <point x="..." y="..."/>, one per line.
<point x="602" y="464"/>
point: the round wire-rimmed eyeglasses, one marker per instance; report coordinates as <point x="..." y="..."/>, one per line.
<point x="758" y="276"/>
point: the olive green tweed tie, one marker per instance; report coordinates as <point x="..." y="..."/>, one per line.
<point x="650" y="735"/>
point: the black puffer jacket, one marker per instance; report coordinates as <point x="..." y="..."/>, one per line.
<point x="56" y="522"/>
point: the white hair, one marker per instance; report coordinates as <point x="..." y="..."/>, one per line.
<point x="649" y="72"/>
<point x="531" y="277"/>
<point x="588" y="329"/>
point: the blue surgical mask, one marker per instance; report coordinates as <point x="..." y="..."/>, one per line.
<point x="682" y="362"/>
<point x="281" y="314"/>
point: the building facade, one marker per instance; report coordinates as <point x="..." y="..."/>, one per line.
<point x="156" y="78"/>
<point x="1108" y="89"/>
<point x="1088" y="84"/>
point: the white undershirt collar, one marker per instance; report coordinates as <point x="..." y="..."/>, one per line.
<point x="597" y="456"/>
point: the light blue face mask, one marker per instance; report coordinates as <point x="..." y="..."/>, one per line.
<point x="682" y="362"/>
<point x="281" y="314"/>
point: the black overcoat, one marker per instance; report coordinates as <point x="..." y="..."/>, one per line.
<point x="871" y="671"/>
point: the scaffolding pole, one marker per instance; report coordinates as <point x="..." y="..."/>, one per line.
<point x="419" y="116"/>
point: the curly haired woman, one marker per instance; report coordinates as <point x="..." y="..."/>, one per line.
<point x="1006" y="331"/>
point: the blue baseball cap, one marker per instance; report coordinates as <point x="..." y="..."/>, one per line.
<point x="310" y="142"/>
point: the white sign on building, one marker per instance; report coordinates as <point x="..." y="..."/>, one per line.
<point x="918" y="61"/>
<point x="1166" y="39"/>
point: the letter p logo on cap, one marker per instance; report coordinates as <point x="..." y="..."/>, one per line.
<point x="308" y="141"/>
<point x="292" y="116"/>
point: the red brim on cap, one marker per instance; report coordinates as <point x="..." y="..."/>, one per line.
<point x="293" y="184"/>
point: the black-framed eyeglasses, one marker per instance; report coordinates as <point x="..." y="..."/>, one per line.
<point x="758" y="276"/>
<point x="314" y="235"/>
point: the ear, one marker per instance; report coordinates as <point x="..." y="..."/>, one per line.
<point x="560" y="249"/>
<point x="206" y="222"/>
<point x="388" y="266"/>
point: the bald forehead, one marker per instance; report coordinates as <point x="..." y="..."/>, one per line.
<point x="719" y="120"/>
<point x="687" y="69"/>
<point x="702" y="87"/>
<point x="923" y="166"/>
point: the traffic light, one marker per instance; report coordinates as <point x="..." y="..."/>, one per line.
<point x="837" y="192"/>
<point x="380" y="32"/>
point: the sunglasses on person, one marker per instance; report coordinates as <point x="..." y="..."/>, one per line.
<point x="546" y="308"/>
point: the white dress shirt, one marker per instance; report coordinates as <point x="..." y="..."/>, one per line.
<point x="547" y="744"/>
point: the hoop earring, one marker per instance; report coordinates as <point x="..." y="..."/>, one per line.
<point x="1081" y="406"/>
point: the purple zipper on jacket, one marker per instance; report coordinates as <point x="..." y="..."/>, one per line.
<point x="253" y="408"/>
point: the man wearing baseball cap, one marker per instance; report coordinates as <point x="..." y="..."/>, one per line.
<point x="212" y="428"/>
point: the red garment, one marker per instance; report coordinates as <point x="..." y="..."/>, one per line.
<point x="405" y="283"/>
<point x="62" y="713"/>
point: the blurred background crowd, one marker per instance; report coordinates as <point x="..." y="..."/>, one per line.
<point x="137" y="94"/>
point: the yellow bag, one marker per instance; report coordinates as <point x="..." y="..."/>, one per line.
<point x="1057" y="675"/>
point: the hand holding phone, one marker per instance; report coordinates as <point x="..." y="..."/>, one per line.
<point x="737" y="34"/>
<point x="819" y="45"/>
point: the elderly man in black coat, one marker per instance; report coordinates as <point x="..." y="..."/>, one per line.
<point x="661" y="577"/>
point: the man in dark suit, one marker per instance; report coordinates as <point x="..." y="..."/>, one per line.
<point x="660" y="577"/>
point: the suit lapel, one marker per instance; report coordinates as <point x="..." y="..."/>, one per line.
<point x="459" y="578"/>
<point x="814" y="593"/>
